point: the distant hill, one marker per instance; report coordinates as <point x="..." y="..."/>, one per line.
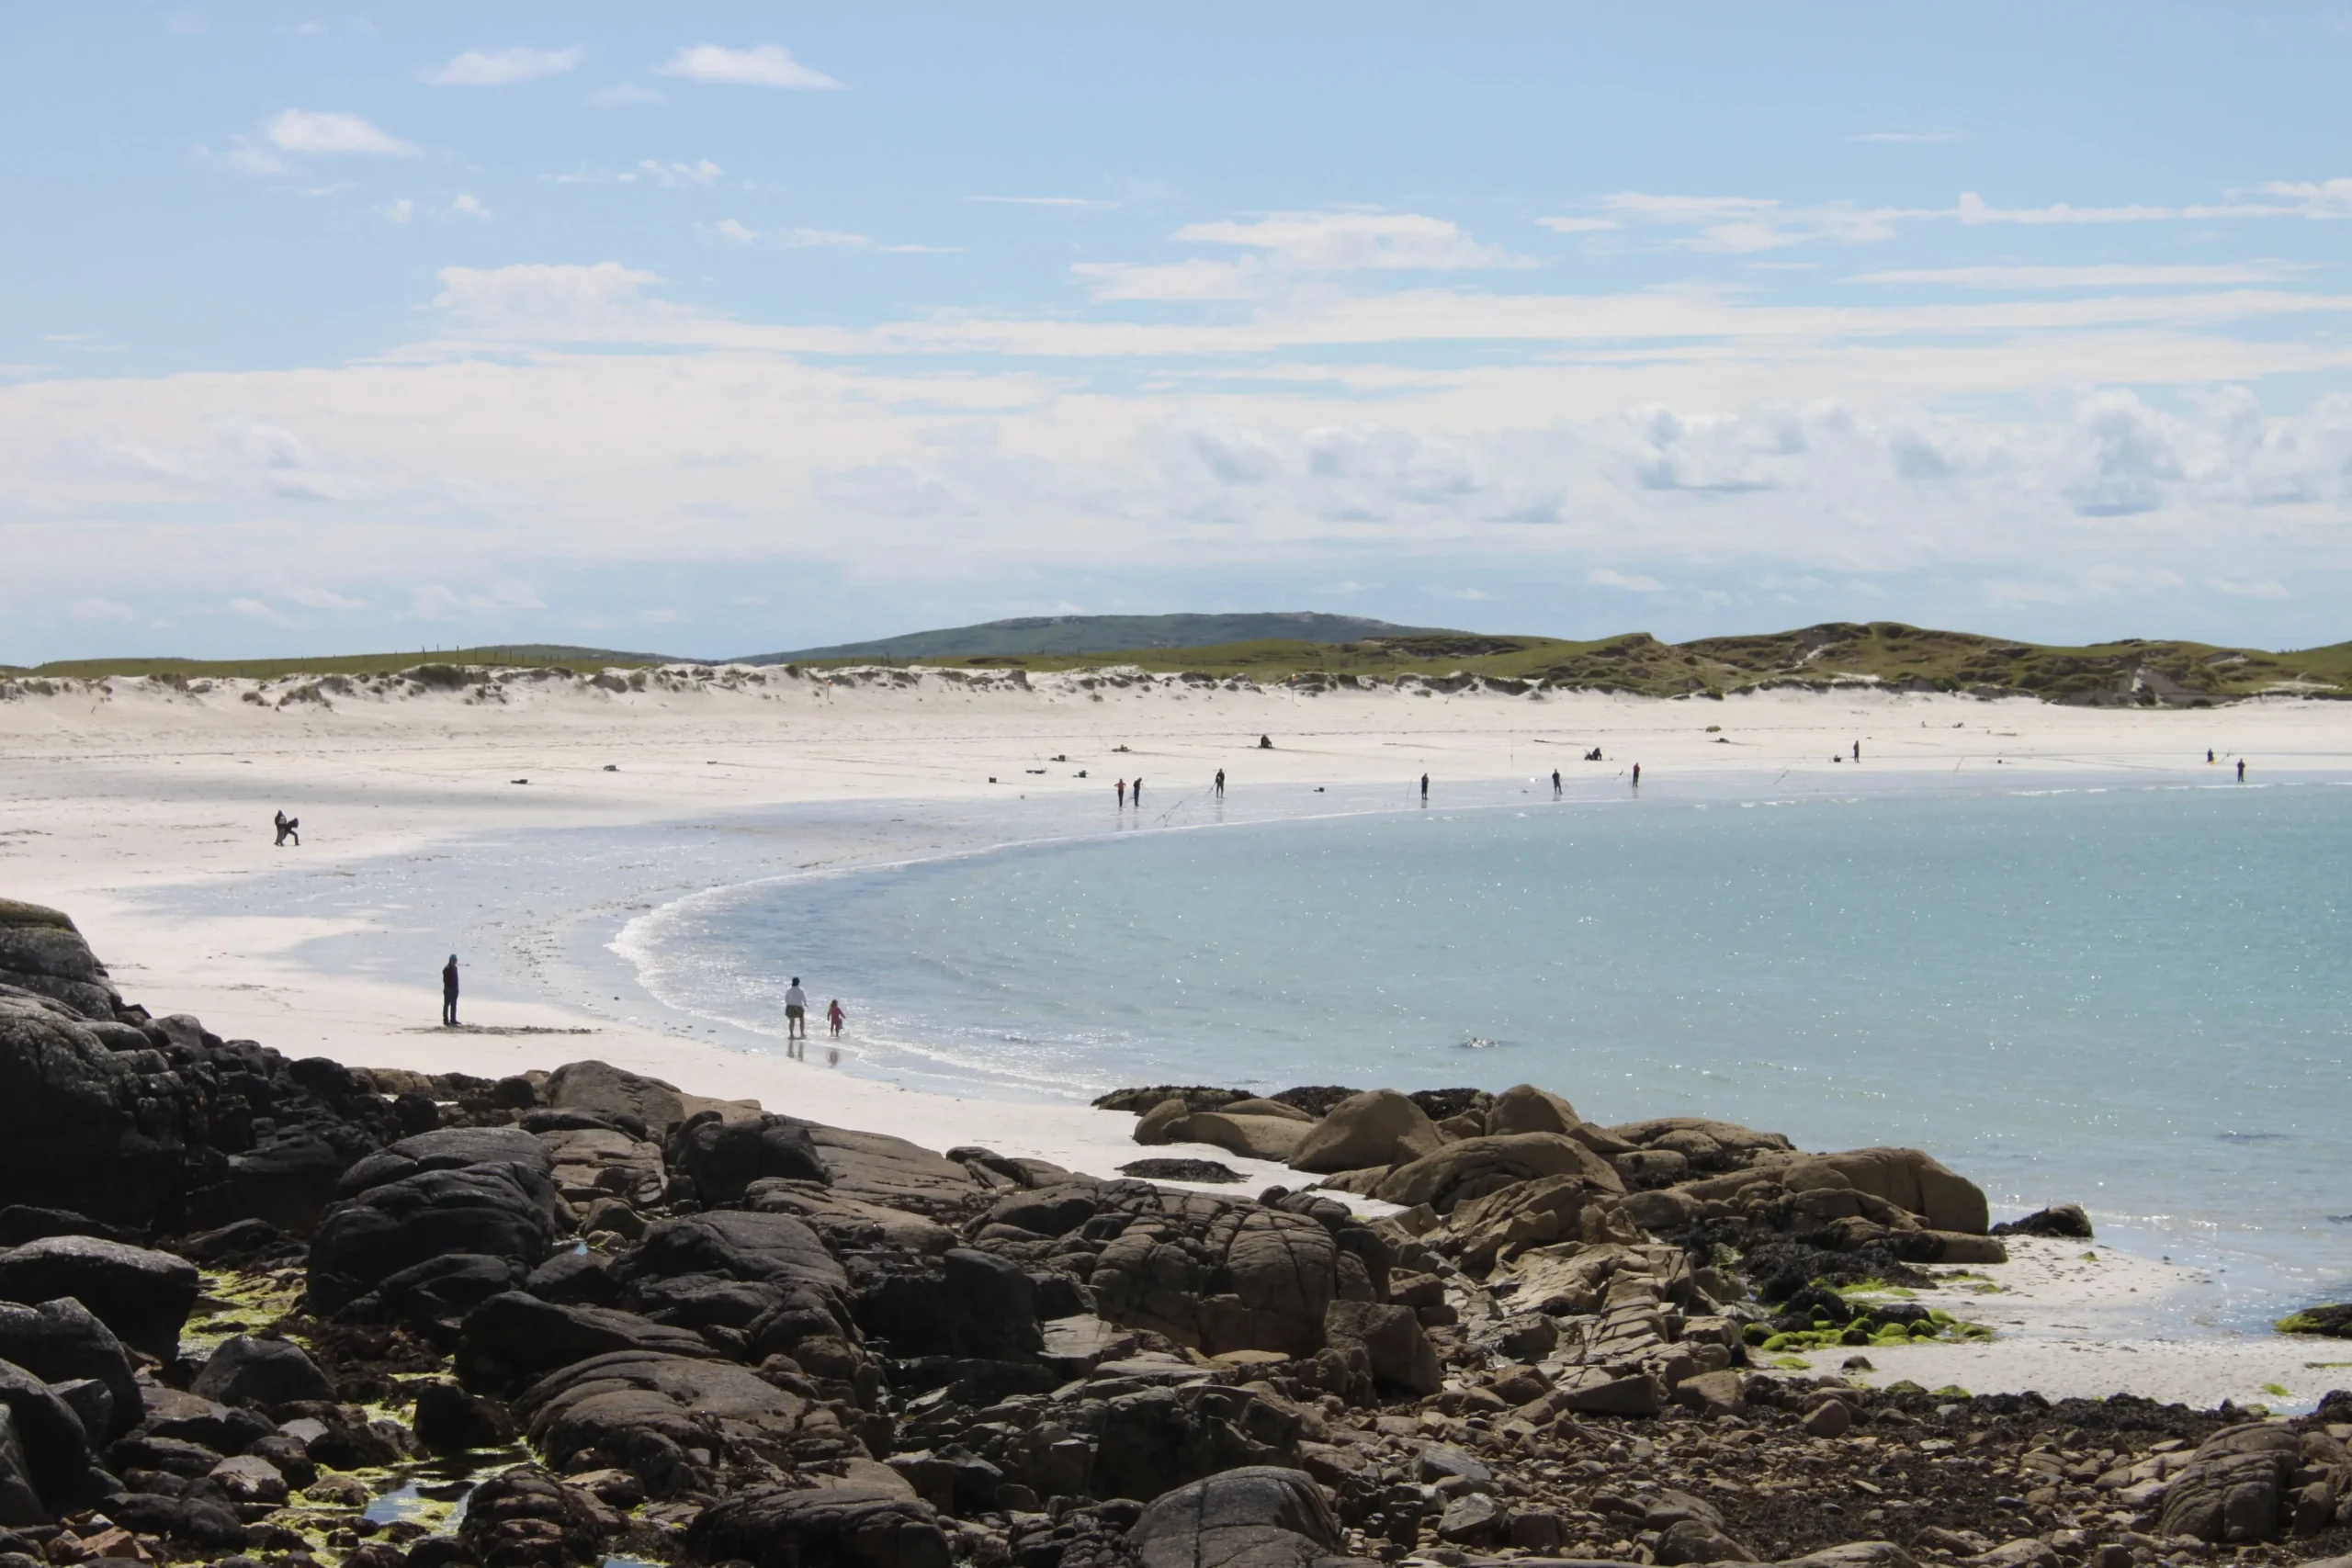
<point x="1062" y="636"/>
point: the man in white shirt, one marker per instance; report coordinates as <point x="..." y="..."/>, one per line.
<point x="796" y="1011"/>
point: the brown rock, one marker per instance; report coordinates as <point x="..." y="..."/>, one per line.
<point x="1255" y="1137"/>
<point x="1830" y="1418"/>
<point x="1475" y="1166"/>
<point x="1399" y="1351"/>
<point x="1378" y="1128"/>
<point x="1526" y="1109"/>
<point x="1155" y="1127"/>
<point x="1712" y="1393"/>
<point x="1904" y="1177"/>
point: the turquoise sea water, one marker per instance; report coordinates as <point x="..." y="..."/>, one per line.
<point x="2132" y="997"/>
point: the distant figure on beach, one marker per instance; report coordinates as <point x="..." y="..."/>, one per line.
<point x="1134" y="794"/>
<point x="834" y="1017"/>
<point x="1593" y="755"/>
<point x="1265" y="743"/>
<point x="796" y="1011"/>
<point x="1637" y="775"/>
<point x="1858" y="750"/>
<point x="1425" y="789"/>
<point x="2209" y="756"/>
<point x="286" y="826"/>
<point x="2240" y="770"/>
<point x="449" y="993"/>
<point x="1555" y="783"/>
<point x="1123" y="795"/>
<point x="1220" y="783"/>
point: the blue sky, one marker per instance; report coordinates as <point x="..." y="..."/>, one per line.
<point x="726" y="329"/>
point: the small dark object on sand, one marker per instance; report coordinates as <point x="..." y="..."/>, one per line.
<point x="2065" y="1220"/>
<point x="1180" y="1171"/>
<point x="612" y="767"/>
<point x="518" y="781"/>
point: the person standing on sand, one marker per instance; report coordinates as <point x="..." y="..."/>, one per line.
<point x="1220" y="783"/>
<point x="1637" y="775"/>
<point x="1425" y="789"/>
<point x="2209" y="756"/>
<point x="1858" y="750"/>
<point x="1123" y="795"/>
<point x="1555" y="783"/>
<point x="834" y="1017"/>
<point x="796" y="1011"/>
<point x="2240" y="770"/>
<point x="449" y="993"/>
<point x="1134" y="794"/>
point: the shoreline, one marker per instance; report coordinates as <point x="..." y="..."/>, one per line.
<point x="106" y="807"/>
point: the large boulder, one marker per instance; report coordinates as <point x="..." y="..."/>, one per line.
<point x="79" y="1127"/>
<point x="648" y="1412"/>
<point x="2234" y="1488"/>
<point x="602" y="1162"/>
<point x="1523" y="1108"/>
<point x="1397" y="1351"/>
<point x="875" y="1168"/>
<point x="969" y="1305"/>
<point x="723" y="1157"/>
<point x="64" y="1341"/>
<point x="1224" y="1276"/>
<point x="449" y="1148"/>
<point x="512" y="1339"/>
<point x="1255" y="1516"/>
<point x="1163" y="1438"/>
<point x="1375" y="1128"/>
<point x="1475" y="1166"/>
<point x="266" y="1372"/>
<point x="434" y="1297"/>
<point x="142" y="1296"/>
<point x="52" y="1457"/>
<point x="834" y="1527"/>
<point x="1274" y="1138"/>
<point x="767" y="1276"/>
<point x="41" y="951"/>
<point x="1906" y="1178"/>
<point x="498" y="1211"/>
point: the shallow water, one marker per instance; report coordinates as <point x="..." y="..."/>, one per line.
<point x="2133" y="998"/>
<point x="2128" y="997"/>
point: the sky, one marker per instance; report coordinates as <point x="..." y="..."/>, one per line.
<point x="713" y="328"/>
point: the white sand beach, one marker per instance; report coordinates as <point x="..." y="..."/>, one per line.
<point x="113" y="790"/>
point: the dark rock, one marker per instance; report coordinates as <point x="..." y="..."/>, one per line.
<point x="825" y="1528"/>
<point x="78" y="1128"/>
<point x="1180" y="1171"/>
<point x="969" y="1304"/>
<point x="1473" y="1519"/>
<point x="1162" y="1438"/>
<point x="1053" y="1210"/>
<point x="513" y="1338"/>
<point x="622" y="1121"/>
<point x="1217" y="1274"/>
<point x="1196" y="1097"/>
<point x="2334" y="1321"/>
<point x="289" y="1454"/>
<point x="524" y="1518"/>
<point x="2234" y="1487"/>
<point x="350" y="1443"/>
<point x="41" y="951"/>
<point x="649" y="1413"/>
<point x="53" y="1457"/>
<point x="2063" y="1220"/>
<point x="767" y="1276"/>
<point x="91" y="1403"/>
<point x="452" y="1148"/>
<point x="143" y="1296"/>
<point x="1398" y="1348"/>
<point x="600" y="1090"/>
<point x="500" y="1211"/>
<point x="449" y="1420"/>
<point x="239" y="1241"/>
<point x="1440" y="1461"/>
<point x="723" y="1157"/>
<point x="1256" y="1516"/>
<point x="415" y="1113"/>
<point x="246" y="1370"/>
<point x="575" y="1278"/>
<point x="173" y="1456"/>
<point x="193" y="1523"/>
<point x="20" y="1224"/>
<point x="171" y="1414"/>
<point x="434" y="1297"/>
<point x="62" y="1341"/>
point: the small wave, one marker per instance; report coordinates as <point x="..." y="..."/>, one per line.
<point x="1479" y="1043"/>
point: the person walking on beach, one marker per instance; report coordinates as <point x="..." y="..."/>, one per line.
<point x="834" y="1017"/>
<point x="1637" y="775"/>
<point x="1858" y="750"/>
<point x="1220" y="783"/>
<point x="286" y="826"/>
<point x="1425" y="789"/>
<point x="1134" y="794"/>
<point x="2240" y="770"/>
<point x="1555" y="783"/>
<point x="795" y="1012"/>
<point x="449" y="993"/>
<point x="1123" y="795"/>
<point x="2209" y="756"/>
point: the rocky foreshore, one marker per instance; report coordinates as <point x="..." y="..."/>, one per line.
<point x="257" y="1310"/>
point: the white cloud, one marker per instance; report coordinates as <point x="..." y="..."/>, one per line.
<point x="435" y="601"/>
<point x="322" y="599"/>
<point x="1291" y="246"/>
<point x="701" y="172"/>
<point x="1578" y="225"/>
<point x="2250" y="587"/>
<point x="820" y="238"/>
<point x="1907" y="136"/>
<point x="94" y="609"/>
<point x="1741" y="224"/>
<point x="2322" y="198"/>
<point x="766" y="65"/>
<point x="625" y="94"/>
<point x="2108" y="275"/>
<point x="1632" y="582"/>
<point x="502" y="67"/>
<point x="401" y="210"/>
<point x="556" y="301"/>
<point x="728" y="229"/>
<point x="469" y="206"/>
<point x="1471" y="595"/>
<point x="312" y="130"/>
